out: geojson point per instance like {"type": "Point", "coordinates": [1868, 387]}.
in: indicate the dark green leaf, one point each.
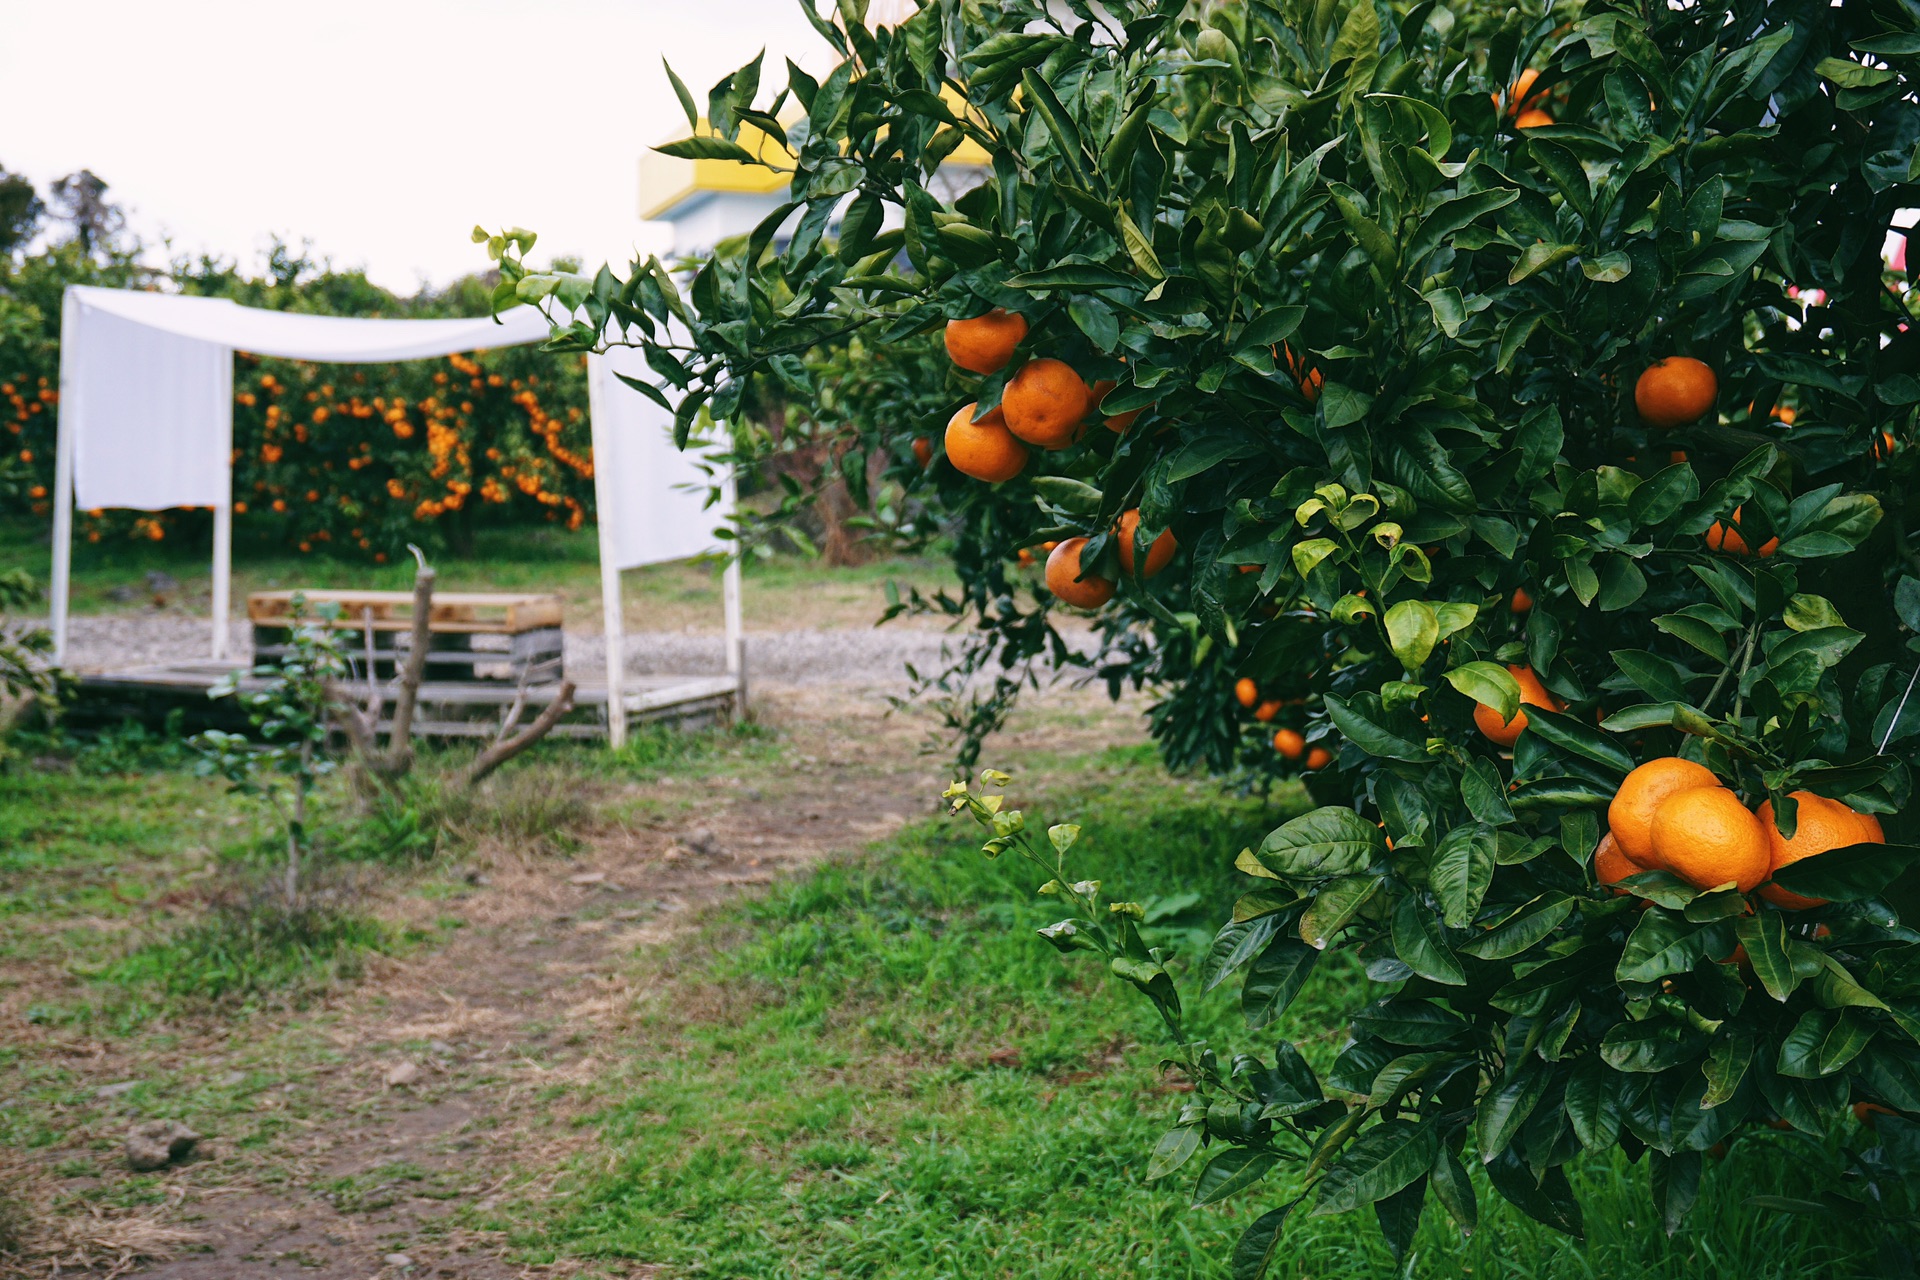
{"type": "Point", "coordinates": [1231, 1172]}
{"type": "Point", "coordinates": [1329, 841]}
{"type": "Point", "coordinates": [1384, 1159]}
{"type": "Point", "coordinates": [1275, 979]}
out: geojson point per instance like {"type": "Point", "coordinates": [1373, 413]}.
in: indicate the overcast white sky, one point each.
{"type": "Point", "coordinates": [382, 130]}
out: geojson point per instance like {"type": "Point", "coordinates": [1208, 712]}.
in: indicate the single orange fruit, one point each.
{"type": "Point", "coordinates": [1118, 422]}
{"type": "Point", "coordinates": [1885, 446]}
{"type": "Point", "coordinates": [1726, 539]}
{"type": "Point", "coordinates": [1047, 403]}
{"type": "Point", "coordinates": [1532, 694]}
{"type": "Point", "coordinates": [1522, 602]}
{"type": "Point", "coordinates": [1305, 376]}
{"type": "Point", "coordinates": [1520, 96]}
{"type": "Point", "coordinates": [1784, 413]}
{"type": "Point", "coordinates": [1025, 557]}
{"type": "Point", "coordinates": [1707, 837]}
{"type": "Point", "coordinates": [1319, 758]}
{"type": "Point", "coordinates": [1157, 555]}
{"type": "Point", "coordinates": [985, 343]}
{"type": "Point", "coordinates": [985, 449]}
{"type": "Point", "coordinates": [1064, 580]}
{"type": "Point", "coordinates": [1821, 824]}
{"type": "Point", "coordinates": [1532, 118]}
{"type": "Point", "coordinates": [923, 451]}
{"type": "Point", "coordinates": [1630, 816]}
{"type": "Point", "coordinates": [1266, 711]}
{"type": "Point", "coordinates": [1246, 691]}
{"type": "Point", "coordinates": [1611, 864]}
{"type": "Point", "coordinates": [1865, 1112]}
{"type": "Point", "coordinates": [1677, 456]}
{"type": "Point", "coordinates": [1289, 743]}
{"type": "Point", "coordinates": [1675, 391]}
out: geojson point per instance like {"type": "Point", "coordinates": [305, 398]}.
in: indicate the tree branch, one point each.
{"type": "Point", "coordinates": [501, 752]}
{"type": "Point", "coordinates": [400, 740]}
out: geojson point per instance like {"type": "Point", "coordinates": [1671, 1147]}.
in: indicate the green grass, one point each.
{"type": "Point", "coordinates": [877, 1070]}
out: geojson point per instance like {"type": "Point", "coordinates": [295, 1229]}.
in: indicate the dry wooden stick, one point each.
{"type": "Point", "coordinates": [400, 738]}
{"type": "Point", "coordinates": [501, 752]}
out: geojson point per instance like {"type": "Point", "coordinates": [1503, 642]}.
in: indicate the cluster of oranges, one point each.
{"type": "Point", "coordinates": [27, 402]}
{"type": "Point", "coordinates": [1046, 404]}
{"type": "Point", "coordinates": [1675, 815]}
{"type": "Point", "coordinates": [1289, 742]}
{"type": "Point", "coordinates": [307, 433]}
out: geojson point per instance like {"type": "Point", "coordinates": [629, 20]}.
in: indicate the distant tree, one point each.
{"type": "Point", "coordinates": [80, 201]}
{"type": "Point", "coordinates": [20, 210]}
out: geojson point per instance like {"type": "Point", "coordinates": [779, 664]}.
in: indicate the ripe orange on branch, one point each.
{"type": "Point", "coordinates": [1727, 539]}
{"type": "Point", "coordinates": [1521, 96]}
{"type": "Point", "coordinates": [1611, 864]}
{"type": "Point", "coordinates": [984, 449]}
{"type": "Point", "coordinates": [1245, 691]}
{"type": "Point", "coordinates": [1118, 422]}
{"type": "Point", "coordinates": [1707, 837]}
{"type": "Point", "coordinates": [1047, 403]}
{"type": "Point", "coordinates": [1820, 825]}
{"type": "Point", "coordinates": [1630, 815]}
{"type": "Point", "coordinates": [984, 344]}
{"type": "Point", "coordinates": [1532, 694]}
{"type": "Point", "coordinates": [1064, 580]}
{"type": "Point", "coordinates": [1675, 391]}
{"type": "Point", "coordinates": [1289, 743]}
{"type": "Point", "coordinates": [1158, 554]}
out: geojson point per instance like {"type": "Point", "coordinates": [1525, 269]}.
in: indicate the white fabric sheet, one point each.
{"type": "Point", "coordinates": [652, 498]}
{"type": "Point", "coordinates": [147, 382]}
{"type": "Point", "coordinates": [150, 412]}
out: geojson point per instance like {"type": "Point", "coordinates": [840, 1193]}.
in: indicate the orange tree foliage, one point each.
{"type": "Point", "coordinates": [355, 460]}
{"type": "Point", "coordinates": [1386, 318]}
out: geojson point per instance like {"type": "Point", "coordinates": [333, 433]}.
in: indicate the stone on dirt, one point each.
{"type": "Point", "coordinates": [402, 1073]}
{"type": "Point", "coordinates": [155, 1144]}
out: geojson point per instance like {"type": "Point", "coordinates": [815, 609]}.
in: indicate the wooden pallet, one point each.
{"type": "Point", "coordinates": [473, 612]}
{"type": "Point", "coordinates": [480, 636]}
{"type": "Point", "coordinates": [447, 709]}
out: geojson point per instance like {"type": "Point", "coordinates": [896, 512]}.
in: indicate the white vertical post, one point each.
{"type": "Point", "coordinates": [223, 519]}
{"type": "Point", "coordinates": [67, 423]}
{"type": "Point", "coordinates": [730, 601]}
{"type": "Point", "coordinates": [613, 623]}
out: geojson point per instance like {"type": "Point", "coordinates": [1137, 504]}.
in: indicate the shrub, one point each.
{"type": "Point", "coordinates": [1490, 365]}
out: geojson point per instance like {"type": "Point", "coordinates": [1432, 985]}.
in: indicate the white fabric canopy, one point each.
{"type": "Point", "coordinates": [147, 381]}
{"type": "Point", "coordinates": [146, 421]}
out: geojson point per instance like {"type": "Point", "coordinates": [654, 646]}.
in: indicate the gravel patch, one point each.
{"type": "Point", "coordinates": [874, 656]}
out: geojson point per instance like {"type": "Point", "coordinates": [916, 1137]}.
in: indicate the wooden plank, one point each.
{"type": "Point", "coordinates": [459, 611]}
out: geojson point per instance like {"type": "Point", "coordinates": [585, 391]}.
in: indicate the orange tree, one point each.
{"type": "Point", "coordinates": [356, 460]}
{"type": "Point", "coordinates": [1527, 394]}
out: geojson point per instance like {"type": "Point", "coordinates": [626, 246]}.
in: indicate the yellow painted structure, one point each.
{"type": "Point", "coordinates": [668, 183]}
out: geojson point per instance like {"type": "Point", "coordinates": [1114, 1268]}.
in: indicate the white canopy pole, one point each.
{"type": "Point", "coordinates": [223, 522]}
{"type": "Point", "coordinates": [730, 601]}
{"type": "Point", "coordinates": [63, 474]}
{"type": "Point", "coordinates": [613, 617]}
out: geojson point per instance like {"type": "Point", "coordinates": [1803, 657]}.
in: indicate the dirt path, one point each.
{"type": "Point", "coordinates": [445, 1080]}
